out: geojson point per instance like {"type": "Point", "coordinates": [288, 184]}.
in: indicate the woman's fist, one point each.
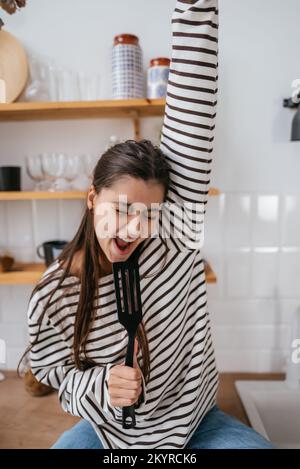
{"type": "Point", "coordinates": [125, 383]}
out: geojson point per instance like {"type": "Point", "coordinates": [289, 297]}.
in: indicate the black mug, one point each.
{"type": "Point", "coordinates": [51, 250]}
{"type": "Point", "coordinates": [10, 178]}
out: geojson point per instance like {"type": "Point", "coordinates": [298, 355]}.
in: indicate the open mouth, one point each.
{"type": "Point", "coordinates": [123, 247]}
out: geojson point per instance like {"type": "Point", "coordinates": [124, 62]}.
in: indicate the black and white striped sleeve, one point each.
{"type": "Point", "coordinates": [189, 121]}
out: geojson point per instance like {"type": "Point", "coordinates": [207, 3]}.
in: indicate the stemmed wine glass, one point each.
{"type": "Point", "coordinates": [89, 163]}
{"type": "Point", "coordinates": [53, 168]}
{"type": "Point", "coordinates": [34, 171]}
{"type": "Point", "coordinates": [72, 168]}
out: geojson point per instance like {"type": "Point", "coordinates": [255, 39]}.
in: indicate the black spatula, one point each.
{"type": "Point", "coordinates": [129, 305]}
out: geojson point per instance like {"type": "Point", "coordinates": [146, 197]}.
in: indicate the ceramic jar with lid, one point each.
{"type": "Point", "coordinates": [127, 68]}
{"type": "Point", "coordinates": [157, 78]}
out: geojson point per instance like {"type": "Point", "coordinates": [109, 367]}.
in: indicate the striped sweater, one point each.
{"type": "Point", "coordinates": [183, 376]}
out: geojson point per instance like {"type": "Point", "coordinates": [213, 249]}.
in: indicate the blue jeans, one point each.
{"type": "Point", "coordinates": [216, 431]}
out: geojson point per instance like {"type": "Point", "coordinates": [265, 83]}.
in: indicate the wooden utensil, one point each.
{"type": "Point", "coordinates": [13, 66]}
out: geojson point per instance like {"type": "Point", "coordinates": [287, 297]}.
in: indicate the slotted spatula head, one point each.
{"type": "Point", "coordinates": [128, 294]}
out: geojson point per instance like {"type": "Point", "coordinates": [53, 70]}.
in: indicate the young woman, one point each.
{"type": "Point", "coordinates": [77, 343]}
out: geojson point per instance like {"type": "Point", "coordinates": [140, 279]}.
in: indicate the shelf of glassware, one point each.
{"type": "Point", "coordinates": [128, 108]}
{"type": "Point", "coordinates": [29, 274]}
{"type": "Point", "coordinates": [69, 195]}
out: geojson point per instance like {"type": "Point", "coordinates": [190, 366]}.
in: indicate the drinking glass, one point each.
{"type": "Point", "coordinates": [89, 163]}
{"type": "Point", "coordinates": [89, 86]}
{"type": "Point", "coordinates": [37, 89]}
{"type": "Point", "coordinates": [72, 168]}
{"type": "Point", "coordinates": [34, 171]}
{"type": "Point", "coordinates": [68, 86]}
{"type": "Point", "coordinates": [53, 168]}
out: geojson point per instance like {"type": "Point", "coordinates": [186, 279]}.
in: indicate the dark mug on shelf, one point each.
{"type": "Point", "coordinates": [51, 250]}
{"type": "Point", "coordinates": [10, 178]}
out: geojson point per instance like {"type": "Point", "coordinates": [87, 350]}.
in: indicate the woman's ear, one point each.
{"type": "Point", "coordinates": [91, 197]}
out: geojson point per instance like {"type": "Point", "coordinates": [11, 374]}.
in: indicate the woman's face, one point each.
{"type": "Point", "coordinates": [125, 214]}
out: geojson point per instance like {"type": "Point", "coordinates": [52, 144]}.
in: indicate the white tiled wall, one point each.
{"type": "Point", "coordinates": [257, 261]}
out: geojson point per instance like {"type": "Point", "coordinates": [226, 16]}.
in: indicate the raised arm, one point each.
{"type": "Point", "coordinates": [189, 121]}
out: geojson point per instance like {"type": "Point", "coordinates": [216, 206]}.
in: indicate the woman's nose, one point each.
{"type": "Point", "coordinates": [131, 230]}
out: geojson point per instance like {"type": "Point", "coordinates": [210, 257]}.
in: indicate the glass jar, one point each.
{"type": "Point", "coordinates": [157, 78]}
{"type": "Point", "coordinates": [127, 68]}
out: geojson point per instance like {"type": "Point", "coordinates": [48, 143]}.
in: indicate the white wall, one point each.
{"type": "Point", "coordinates": [252, 230]}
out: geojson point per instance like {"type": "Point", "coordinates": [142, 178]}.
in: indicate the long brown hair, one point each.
{"type": "Point", "coordinates": [141, 160]}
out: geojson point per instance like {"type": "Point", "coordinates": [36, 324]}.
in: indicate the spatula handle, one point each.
{"type": "Point", "coordinates": [130, 350]}
{"type": "Point", "coordinates": [128, 412]}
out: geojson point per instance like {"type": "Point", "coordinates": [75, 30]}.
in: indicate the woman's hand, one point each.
{"type": "Point", "coordinates": [125, 383]}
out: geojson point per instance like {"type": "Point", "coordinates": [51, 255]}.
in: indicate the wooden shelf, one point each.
{"type": "Point", "coordinates": [29, 274]}
{"type": "Point", "coordinates": [133, 108]}
{"type": "Point", "coordinates": [209, 273]}
{"type": "Point", "coordinates": [39, 195]}
{"type": "Point", "coordinates": [22, 274]}
{"type": "Point", "coordinates": [69, 195]}
{"type": "Point", "coordinates": [213, 192]}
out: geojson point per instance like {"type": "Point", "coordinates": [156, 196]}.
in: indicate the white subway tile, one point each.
{"type": "Point", "coordinates": [237, 220]}
{"type": "Point", "coordinates": [250, 361]}
{"type": "Point", "coordinates": [265, 275]}
{"type": "Point", "coordinates": [19, 224]}
{"type": "Point", "coordinates": [222, 336]}
{"type": "Point", "coordinates": [70, 215]}
{"type": "Point", "coordinates": [289, 274]}
{"type": "Point", "coordinates": [251, 337]}
{"type": "Point", "coordinates": [213, 228]}
{"type": "Point", "coordinates": [250, 312]}
{"type": "Point", "coordinates": [265, 229]}
{"type": "Point", "coordinates": [14, 355]}
{"type": "Point", "coordinates": [291, 221]}
{"type": "Point", "coordinates": [13, 303]}
{"type": "Point", "coordinates": [236, 360]}
{"type": "Point", "coordinates": [46, 220]}
{"type": "Point", "coordinates": [271, 361]}
{"type": "Point", "coordinates": [237, 274]}
{"type": "Point", "coordinates": [287, 309]}
{"type": "Point", "coordinates": [13, 334]}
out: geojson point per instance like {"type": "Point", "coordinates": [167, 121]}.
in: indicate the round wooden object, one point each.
{"type": "Point", "coordinates": [13, 66]}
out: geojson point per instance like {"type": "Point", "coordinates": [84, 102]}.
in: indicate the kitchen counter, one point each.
{"type": "Point", "coordinates": [228, 399]}
{"type": "Point", "coordinates": [36, 422]}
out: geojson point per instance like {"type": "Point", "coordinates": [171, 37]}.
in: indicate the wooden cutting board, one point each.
{"type": "Point", "coordinates": [13, 67]}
